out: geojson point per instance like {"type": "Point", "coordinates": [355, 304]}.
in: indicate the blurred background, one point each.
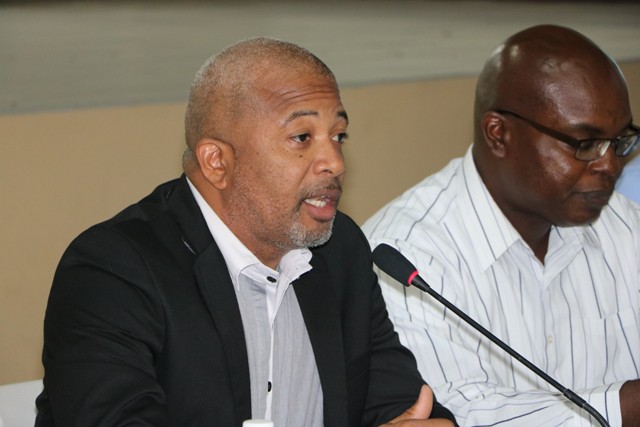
{"type": "Point", "coordinates": [92, 97]}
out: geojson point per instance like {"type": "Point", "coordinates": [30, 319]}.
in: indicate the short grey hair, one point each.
{"type": "Point", "coordinates": [222, 88]}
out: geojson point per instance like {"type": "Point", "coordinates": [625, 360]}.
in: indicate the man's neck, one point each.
{"type": "Point", "coordinates": [535, 233]}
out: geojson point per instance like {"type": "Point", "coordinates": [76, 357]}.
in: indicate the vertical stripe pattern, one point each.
{"type": "Point", "coordinates": [577, 316]}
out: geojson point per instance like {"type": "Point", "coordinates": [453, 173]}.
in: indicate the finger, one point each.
{"type": "Point", "coordinates": [421, 409]}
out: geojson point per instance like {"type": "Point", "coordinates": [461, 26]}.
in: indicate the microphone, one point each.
{"type": "Point", "coordinates": [392, 262]}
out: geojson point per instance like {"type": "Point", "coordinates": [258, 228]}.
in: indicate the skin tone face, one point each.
{"type": "Point", "coordinates": [547, 181]}
{"type": "Point", "coordinates": [569, 86]}
{"type": "Point", "coordinates": [283, 165]}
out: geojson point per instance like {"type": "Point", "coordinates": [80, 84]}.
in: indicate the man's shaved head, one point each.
{"type": "Point", "coordinates": [224, 90]}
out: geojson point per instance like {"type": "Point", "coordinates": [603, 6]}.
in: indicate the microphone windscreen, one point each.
{"type": "Point", "coordinates": [392, 262]}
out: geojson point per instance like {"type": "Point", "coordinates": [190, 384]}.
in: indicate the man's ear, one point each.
{"type": "Point", "coordinates": [215, 159]}
{"type": "Point", "coordinates": [495, 133]}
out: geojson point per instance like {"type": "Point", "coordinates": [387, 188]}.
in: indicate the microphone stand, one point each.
{"type": "Point", "coordinates": [419, 283]}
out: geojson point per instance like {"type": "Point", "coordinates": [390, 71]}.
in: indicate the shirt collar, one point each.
{"type": "Point", "coordinates": [484, 220]}
{"type": "Point", "coordinates": [239, 259]}
{"type": "Point", "coordinates": [494, 232]}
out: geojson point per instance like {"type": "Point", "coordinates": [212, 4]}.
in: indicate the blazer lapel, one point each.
{"type": "Point", "coordinates": [215, 285]}
{"type": "Point", "coordinates": [322, 320]}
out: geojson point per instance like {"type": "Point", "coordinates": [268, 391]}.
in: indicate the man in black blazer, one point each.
{"type": "Point", "coordinates": [156, 317]}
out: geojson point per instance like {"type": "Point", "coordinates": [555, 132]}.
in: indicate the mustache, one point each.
{"type": "Point", "coordinates": [330, 188]}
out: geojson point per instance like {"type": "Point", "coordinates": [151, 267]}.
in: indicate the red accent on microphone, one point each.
{"type": "Point", "coordinates": [413, 275]}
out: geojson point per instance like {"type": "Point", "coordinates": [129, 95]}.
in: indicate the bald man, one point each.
{"type": "Point", "coordinates": [527, 236]}
{"type": "Point", "coordinates": [236, 291]}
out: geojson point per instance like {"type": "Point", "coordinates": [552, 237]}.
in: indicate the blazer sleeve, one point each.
{"type": "Point", "coordinates": [103, 326]}
{"type": "Point", "coordinates": [394, 380]}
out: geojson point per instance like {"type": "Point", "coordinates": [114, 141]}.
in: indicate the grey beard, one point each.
{"type": "Point", "coordinates": [302, 238]}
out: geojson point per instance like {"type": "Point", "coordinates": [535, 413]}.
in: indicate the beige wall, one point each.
{"type": "Point", "coordinates": [61, 172]}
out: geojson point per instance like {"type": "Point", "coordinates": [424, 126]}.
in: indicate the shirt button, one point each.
{"type": "Point", "coordinates": [549, 339]}
{"type": "Point", "coordinates": [271, 279]}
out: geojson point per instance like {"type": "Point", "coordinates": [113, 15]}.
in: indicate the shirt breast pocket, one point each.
{"type": "Point", "coordinates": [613, 345]}
{"type": "Point", "coordinates": [625, 320]}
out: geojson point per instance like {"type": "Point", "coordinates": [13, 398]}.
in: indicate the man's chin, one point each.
{"type": "Point", "coordinates": [306, 238]}
{"type": "Point", "coordinates": [586, 218]}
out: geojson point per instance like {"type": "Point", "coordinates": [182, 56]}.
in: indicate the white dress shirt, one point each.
{"type": "Point", "coordinates": [285, 385]}
{"type": "Point", "coordinates": [577, 316]}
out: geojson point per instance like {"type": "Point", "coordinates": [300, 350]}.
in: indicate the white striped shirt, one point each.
{"type": "Point", "coordinates": [577, 316]}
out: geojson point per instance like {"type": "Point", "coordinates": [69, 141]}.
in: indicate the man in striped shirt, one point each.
{"type": "Point", "coordinates": [527, 236]}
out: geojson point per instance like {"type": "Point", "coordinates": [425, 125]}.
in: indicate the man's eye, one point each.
{"type": "Point", "coordinates": [304, 137]}
{"type": "Point", "coordinates": [341, 137]}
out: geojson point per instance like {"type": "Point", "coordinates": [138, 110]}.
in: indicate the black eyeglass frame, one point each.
{"type": "Point", "coordinates": [585, 146]}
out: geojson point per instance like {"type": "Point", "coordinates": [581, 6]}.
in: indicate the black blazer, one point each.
{"type": "Point", "coordinates": [143, 327]}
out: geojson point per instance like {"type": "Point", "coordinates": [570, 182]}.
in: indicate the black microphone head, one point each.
{"type": "Point", "coordinates": [392, 262]}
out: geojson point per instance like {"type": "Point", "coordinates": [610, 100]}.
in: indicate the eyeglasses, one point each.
{"type": "Point", "coordinates": [591, 148]}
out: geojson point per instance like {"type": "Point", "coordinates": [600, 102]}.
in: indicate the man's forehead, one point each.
{"type": "Point", "coordinates": [340, 114]}
{"type": "Point", "coordinates": [305, 94]}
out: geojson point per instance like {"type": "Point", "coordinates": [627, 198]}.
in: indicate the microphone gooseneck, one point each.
{"type": "Point", "coordinates": [392, 262]}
